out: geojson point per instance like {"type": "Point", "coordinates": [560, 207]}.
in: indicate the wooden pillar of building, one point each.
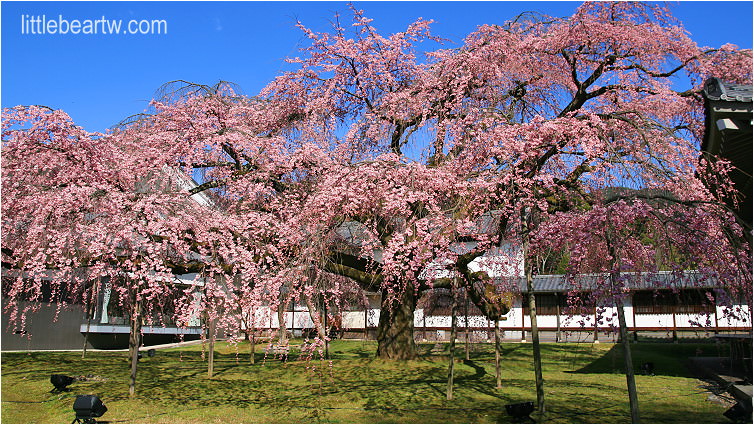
{"type": "Point", "coordinates": [557, 317]}
{"type": "Point", "coordinates": [675, 331]}
{"type": "Point", "coordinates": [523, 321]}
{"type": "Point", "coordinates": [633, 313]}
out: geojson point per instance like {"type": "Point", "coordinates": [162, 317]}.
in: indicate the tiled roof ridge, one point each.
{"type": "Point", "coordinates": [717, 89]}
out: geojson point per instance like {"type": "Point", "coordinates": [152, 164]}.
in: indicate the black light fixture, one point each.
{"type": "Point", "coordinates": [88, 407]}
{"type": "Point", "coordinates": [151, 352]}
{"type": "Point", "coordinates": [60, 382]}
{"type": "Point", "coordinates": [740, 413]}
{"type": "Point", "coordinates": [520, 411]}
{"type": "Point", "coordinates": [648, 368]}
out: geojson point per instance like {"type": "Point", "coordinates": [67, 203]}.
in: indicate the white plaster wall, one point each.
{"type": "Point", "coordinates": [654, 320]}
{"type": "Point", "coordinates": [741, 310]}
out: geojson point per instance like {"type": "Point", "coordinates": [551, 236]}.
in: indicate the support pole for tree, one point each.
{"type": "Point", "coordinates": [539, 381]}
{"type": "Point", "coordinates": [89, 314]}
{"type": "Point", "coordinates": [633, 397]}
{"type": "Point", "coordinates": [498, 374]}
{"type": "Point", "coordinates": [282, 334]}
{"type": "Point", "coordinates": [557, 317]}
{"type": "Point", "coordinates": [466, 323]}
{"type": "Point", "coordinates": [327, 330]}
{"type": "Point", "coordinates": [211, 366]}
{"type": "Point", "coordinates": [252, 339]}
{"type": "Point", "coordinates": [451, 364]}
{"type": "Point", "coordinates": [86, 335]}
{"type": "Point", "coordinates": [134, 341]}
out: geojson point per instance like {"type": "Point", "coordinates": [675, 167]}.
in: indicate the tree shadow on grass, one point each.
{"type": "Point", "coordinates": [666, 359]}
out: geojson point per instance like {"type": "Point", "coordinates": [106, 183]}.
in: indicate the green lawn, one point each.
{"type": "Point", "coordinates": [583, 384]}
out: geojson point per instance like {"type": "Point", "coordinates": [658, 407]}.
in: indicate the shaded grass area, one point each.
{"type": "Point", "coordinates": [583, 384]}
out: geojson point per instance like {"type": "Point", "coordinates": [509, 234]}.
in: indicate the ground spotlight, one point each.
{"type": "Point", "coordinates": [88, 407]}
{"type": "Point", "coordinates": [648, 368]}
{"type": "Point", "coordinates": [740, 413]}
{"type": "Point", "coordinates": [60, 382]}
{"type": "Point", "coordinates": [520, 411]}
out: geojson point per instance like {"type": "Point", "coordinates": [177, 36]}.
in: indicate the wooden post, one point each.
{"type": "Point", "coordinates": [498, 374]}
{"type": "Point", "coordinates": [633, 313]}
{"type": "Point", "coordinates": [366, 320]}
{"type": "Point", "coordinates": [523, 320]}
{"type": "Point", "coordinates": [675, 333]}
{"type": "Point", "coordinates": [327, 331]}
{"type": "Point", "coordinates": [211, 366]}
{"type": "Point", "coordinates": [134, 340]}
{"type": "Point", "coordinates": [557, 318]}
{"type": "Point", "coordinates": [293, 317]}
{"type": "Point", "coordinates": [282, 328]}
{"type": "Point", "coordinates": [252, 339]}
{"type": "Point", "coordinates": [424, 323]}
{"type": "Point", "coordinates": [89, 314]}
{"type": "Point", "coordinates": [466, 323]}
{"type": "Point", "coordinates": [451, 363]}
{"type": "Point", "coordinates": [539, 381]}
{"type": "Point", "coordinates": [633, 398]}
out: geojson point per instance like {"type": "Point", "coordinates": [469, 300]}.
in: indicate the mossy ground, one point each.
{"type": "Point", "coordinates": [584, 383]}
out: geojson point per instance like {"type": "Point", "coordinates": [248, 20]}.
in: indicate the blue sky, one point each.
{"type": "Point", "coordinates": [100, 79]}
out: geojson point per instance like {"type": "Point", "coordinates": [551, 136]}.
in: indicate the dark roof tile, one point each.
{"type": "Point", "coordinates": [716, 89]}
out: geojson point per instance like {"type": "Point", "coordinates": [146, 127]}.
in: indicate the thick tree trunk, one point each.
{"type": "Point", "coordinates": [134, 342]}
{"type": "Point", "coordinates": [452, 349]}
{"type": "Point", "coordinates": [395, 331]}
{"type": "Point", "coordinates": [498, 374]}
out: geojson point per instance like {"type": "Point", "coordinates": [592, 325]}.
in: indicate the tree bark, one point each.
{"type": "Point", "coordinates": [316, 318]}
{"type": "Point", "coordinates": [452, 349]}
{"type": "Point", "coordinates": [134, 342]}
{"type": "Point", "coordinates": [498, 374]}
{"type": "Point", "coordinates": [395, 331]}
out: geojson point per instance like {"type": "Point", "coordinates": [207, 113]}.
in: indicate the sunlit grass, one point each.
{"type": "Point", "coordinates": [584, 384]}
